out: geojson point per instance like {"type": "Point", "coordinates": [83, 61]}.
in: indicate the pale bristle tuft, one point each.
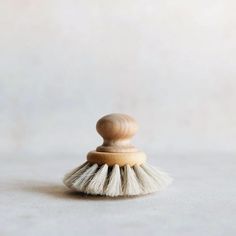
{"type": "Point", "coordinates": [71, 177]}
{"type": "Point", "coordinates": [161, 178]}
{"type": "Point", "coordinates": [147, 182]}
{"type": "Point", "coordinates": [82, 180]}
{"type": "Point", "coordinates": [97, 183]}
{"type": "Point", "coordinates": [114, 188]}
{"type": "Point", "coordinates": [131, 184]}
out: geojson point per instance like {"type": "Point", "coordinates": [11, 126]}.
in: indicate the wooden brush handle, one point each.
{"type": "Point", "coordinates": [116, 131]}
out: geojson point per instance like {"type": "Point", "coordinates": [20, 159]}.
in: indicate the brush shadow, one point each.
{"type": "Point", "coordinates": [60, 191]}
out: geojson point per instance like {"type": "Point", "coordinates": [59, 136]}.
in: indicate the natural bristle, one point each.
{"type": "Point", "coordinates": [114, 187]}
{"type": "Point", "coordinates": [116, 181]}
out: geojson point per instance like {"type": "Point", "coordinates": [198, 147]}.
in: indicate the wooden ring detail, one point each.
{"type": "Point", "coordinates": [112, 158]}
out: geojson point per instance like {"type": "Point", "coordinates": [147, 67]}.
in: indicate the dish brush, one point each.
{"type": "Point", "coordinates": [116, 168]}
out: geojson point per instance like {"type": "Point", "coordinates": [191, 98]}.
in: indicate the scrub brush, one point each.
{"type": "Point", "coordinates": [116, 168]}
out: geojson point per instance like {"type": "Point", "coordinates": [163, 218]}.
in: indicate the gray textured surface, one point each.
{"type": "Point", "coordinates": [201, 200]}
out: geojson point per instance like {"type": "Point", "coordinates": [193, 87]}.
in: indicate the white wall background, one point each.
{"type": "Point", "coordinates": [170, 64]}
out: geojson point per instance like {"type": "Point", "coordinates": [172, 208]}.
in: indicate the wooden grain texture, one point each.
{"type": "Point", "coordinates": [121, 159]}
{"type": "Point", "coordinates": [116, 130]}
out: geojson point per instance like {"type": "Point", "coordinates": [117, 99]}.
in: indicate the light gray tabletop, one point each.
{"type": "Point", "coordinates": [201, 200]}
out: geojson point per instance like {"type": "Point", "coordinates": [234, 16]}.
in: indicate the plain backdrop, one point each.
{"type": "Point", "coordinates": [170, 64]}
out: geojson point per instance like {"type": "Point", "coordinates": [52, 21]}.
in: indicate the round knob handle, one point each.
{"type": "Point", "coordinates": [116, 130]}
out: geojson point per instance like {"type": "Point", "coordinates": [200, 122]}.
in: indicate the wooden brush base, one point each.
{"type": "Point", "coordinates": [112, 158]}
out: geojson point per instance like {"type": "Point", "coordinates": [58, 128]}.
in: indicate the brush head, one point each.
{"type": "Point", "coordinates": [116, 168]}
{"type": "Point", "coordinates": [114, 181]}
